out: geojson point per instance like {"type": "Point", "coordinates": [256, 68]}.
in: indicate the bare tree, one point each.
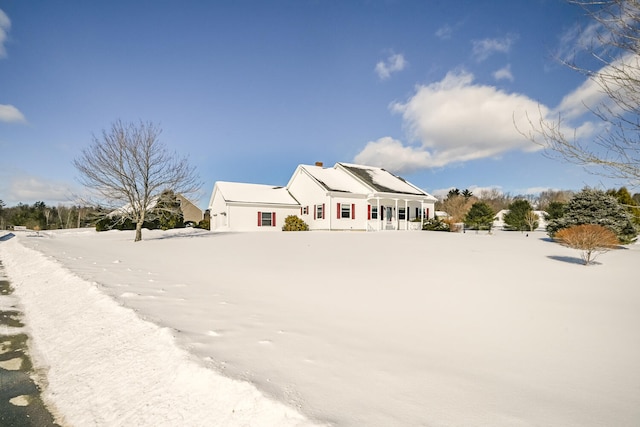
{"type": "Point", "coordinates": [550, 196]}
{"type": "Point", "coordinates": [456, 206]}
{"type": "Point", "coordinates": [495, 198]}
{"type": "Point", "coordinates": [129, 167]}
{"type": "Point", "coordinates": [615, 46]}
{"type": "Point", "coordinates": [531, 220]}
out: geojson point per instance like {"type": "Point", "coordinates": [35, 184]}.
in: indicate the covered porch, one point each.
{"type": "Point", "coordinates": [394, 213]}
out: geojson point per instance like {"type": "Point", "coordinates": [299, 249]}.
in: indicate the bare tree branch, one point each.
{"type": "Point", "coordinates": [615, 45]}
{"type": "Point", "coordinates": [129, 166]}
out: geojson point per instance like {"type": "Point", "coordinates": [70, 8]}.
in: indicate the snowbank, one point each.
{"type": "Point", "coordinates": [350, 329]}
{"type": "Point", "coordinates": [105, 366]}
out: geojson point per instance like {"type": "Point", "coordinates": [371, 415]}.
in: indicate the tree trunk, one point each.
{"type": "Point", "coordinates": [138, 231]}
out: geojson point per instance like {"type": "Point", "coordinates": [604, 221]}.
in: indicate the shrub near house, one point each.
{"type": "Point", "coordinates": [293, 223]}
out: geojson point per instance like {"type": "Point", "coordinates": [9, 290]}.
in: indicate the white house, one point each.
{"type": "Point", "coordinates": [344, 197]}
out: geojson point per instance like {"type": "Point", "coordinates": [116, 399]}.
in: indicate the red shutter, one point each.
{"type": "Point", "coordinates": [323, 211]}
{"type": "Point", "coordinates": [353, 211]}
{"type": "Point", "coordinates": [368, 212]}
{"type": "Point", "coordinates": [300, 210]}
{"type": "Point", "coordinates": [259, 219]}
{"type": "Point", "coordinates": [427, 215]}
{"type": "Point", "coordinates": [315, 211]}
{"type": "Point", "coordinates": [338, 211]}
{"type": "Point", "coordinates": [273, 219]}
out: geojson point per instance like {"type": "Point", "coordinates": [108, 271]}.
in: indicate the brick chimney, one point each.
{"type": "Point", "coordinates": [320, 164]}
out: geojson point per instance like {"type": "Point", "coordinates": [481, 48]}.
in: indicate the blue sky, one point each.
{"type": "Point", "coordinates": [250, 89]}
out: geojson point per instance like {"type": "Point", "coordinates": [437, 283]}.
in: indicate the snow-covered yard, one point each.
{"type": "Point", "coordinates": [348, 329]}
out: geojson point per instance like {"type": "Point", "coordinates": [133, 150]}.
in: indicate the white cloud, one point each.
{"type": "Point", "coordinates": [456, 120]}
{"type": "Point", "coordinates": [578, 39]}
{"type": "Point", "coordinates": [394, 63]}
{"type": "Point", "coordinates": [504, 73]}
{"type": "Point", "coordinates": [5, 26]}
{"type": "Point", "coordinates": [589, 95]}
{"type": "Point", "coordinates": [28, 189]}
{"type": "Point", "coordinates": [536, 190]}
{"type": "Point", "coordinates": [476, 190]}
{"type": "Point", "coordinates": [482, 49]}
{"type": "Point", "coordinates": [9, 113]}
{"type": "Point", "coordinates": [393, 155]}
{"type": "Point", "coordinates": [445, 32]}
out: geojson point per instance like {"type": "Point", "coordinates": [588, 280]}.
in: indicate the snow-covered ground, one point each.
{"type": "Point", "coordinates": [348, 329]}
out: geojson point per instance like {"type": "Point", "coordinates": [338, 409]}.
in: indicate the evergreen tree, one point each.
{"type": "Point", "coordinates": [520, 216]}
{"type": "Point", "coordinates": [453, 192]}
{"type": "Point", "coordinates": [167, 213]}
{"type": "Point", "coordinates": [480, 216]}
{"type": "Point", "coordinates": [625, 199]}
{"type": "Point", "coordinates": [592, 206]}
{"type": "Point", "coordinates": [555, 210]}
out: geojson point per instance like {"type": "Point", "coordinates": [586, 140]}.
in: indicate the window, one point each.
{"type": "Point", "coordinates": [401, 213]}
{"type": "Point", "coordinates": [374, 212]}
{"type": "Point", "coordinates": [266, 219]}
{"type": "Point", "coordinates": [304, 210]}
{"type": "Point", "coordinates": [345, 210]}
{"type": "Point", "coordinates": [319, 212]}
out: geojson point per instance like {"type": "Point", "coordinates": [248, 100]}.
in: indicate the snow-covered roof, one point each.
{"type": "Point", "coordinates": [255, 193]}
{"type": "Point", "coordinates": [333, 179]}
{"type": "Point", "coordinates": [381, 180]}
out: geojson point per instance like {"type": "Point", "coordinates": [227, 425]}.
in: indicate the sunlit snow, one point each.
{"type": "Point", "coordinates": [194, 328]}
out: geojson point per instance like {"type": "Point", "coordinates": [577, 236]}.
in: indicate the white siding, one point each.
{"type": "Point", "coordinates": [245, 217]}
{"type": "Point", "coordinates": [309, 193]}
{"type": "Point", "coordinates": [234, 216]}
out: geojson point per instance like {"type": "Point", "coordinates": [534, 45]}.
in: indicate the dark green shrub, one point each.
{"type": "Point", "coordinates": [114, 222]}
{"type": "Point", "coordinates": [555, 210]}
{"type": "Point", "coordinates": [204, 224]}
{"type": "Point", "coordinates": [435, 224]}
{"type": "Point", "coordinates": [479, 217]}
{"type": "Point", "coordinates": [520, 217]}
{"type": "Point", "coordinates": [167, 213]}
{"type": "Point", "coordinates": [293, 223]}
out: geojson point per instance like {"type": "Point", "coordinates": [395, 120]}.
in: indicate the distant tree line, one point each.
{"type": "Point", "coordinates": [165, 213]}
{"type": "Point", "coordinates": [562, 209]}
{"type": "Point", "coordinates": [41, 216]}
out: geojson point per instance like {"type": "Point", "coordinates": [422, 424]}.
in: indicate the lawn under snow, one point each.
{"type": "Point", "coordinates": [191, 328]}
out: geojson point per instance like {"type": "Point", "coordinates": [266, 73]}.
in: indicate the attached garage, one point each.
{"type": "Point", "coordinates": [236, 206]}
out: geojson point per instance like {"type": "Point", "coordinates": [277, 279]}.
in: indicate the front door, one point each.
{"type": "Point", "coordinates": [389, 216]}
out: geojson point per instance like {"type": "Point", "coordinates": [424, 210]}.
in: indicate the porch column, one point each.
{"type": "Point", "coordinates": [406, 215]}
{"type": "Point", "coordinates": [378, 219]}
{"type": "Point", "coordinates": [397, 220]}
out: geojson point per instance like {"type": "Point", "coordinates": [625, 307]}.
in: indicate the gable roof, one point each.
{"type": "Point", "coordinates": [381, 181]}
{"type": "Point", "coordinates": [359, 179]}
{"type": "Point", "coordinates": [240, 192]}
{"type": "Point", "coordinates": [332, 179]}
